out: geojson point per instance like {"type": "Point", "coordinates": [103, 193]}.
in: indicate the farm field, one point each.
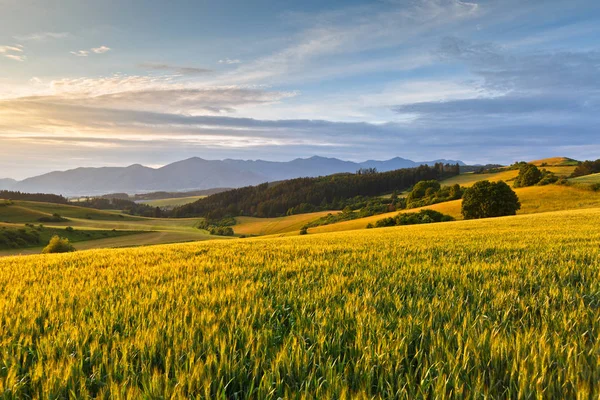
{"type": "Point", "coordinates": [172, 202]}
{"type": "Point", "coordinates": [147, 230]}
{"type": "Point", "coordinates": [271, 226]}
{"type": "Point", "coordinates": [503, 308]}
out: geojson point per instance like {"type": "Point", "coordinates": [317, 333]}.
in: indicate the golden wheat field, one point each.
{"type": "Point", "coordinates": [498, 308]}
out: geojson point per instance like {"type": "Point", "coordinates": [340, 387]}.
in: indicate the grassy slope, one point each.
{"type": "Point", "coordinates": [587, 179]}
{"type": "Point", "coordinates": [497, 308]}
{"type": "Point", "coordinates": [535, 199]}
{"type": "Point", "coordinates": [270, 226]}
{"type": "Point", "coordinates": [163, 230]}
{"type": "Point", "coordinates": [556, 161]}
{"type": "Point", "coordinates": [30, 211]}
{"type": "Point", "coordinates": [470, 178]}
{"type": "Point", "coordinates": [173, 202]}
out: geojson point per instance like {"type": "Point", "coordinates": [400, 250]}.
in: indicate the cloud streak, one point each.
{"type": "Point", "coordinates": [95, 50]}
{"type": "Point", "coordinates": [176, 69]}
{"type": "Point", "coordinates": [42, 36]}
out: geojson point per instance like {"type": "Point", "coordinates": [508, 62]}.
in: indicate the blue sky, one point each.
{"type": "Point", "coordinates": [105, 83]}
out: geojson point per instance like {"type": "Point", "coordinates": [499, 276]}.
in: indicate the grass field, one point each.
{"type": "Point", "coordinates": [587, 179]}
{"type": "Point", "coordinates": [556, 161]}
{"type": "Point", "coordinates": [271, 226]}
{"type": "Point", "coordinates": [534, 199]}
{"type": "Point", "coordinates": [498, 308]}
{"type": "Point", "coordinates": [170, 203]}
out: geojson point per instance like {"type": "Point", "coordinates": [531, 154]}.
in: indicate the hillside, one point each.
{"type": "Point", "coordinates": [90, 226]}
{"type": "Point", "coordinates": [592, 179]}
{"type": "Point", "coordinates": [298, 196]}
{"type": "Point", "coordinates": [195, 173]}
{"type": "Point", "coordinates": [478, 300]}
{"type": "Point", "coordinates": [555, 161]}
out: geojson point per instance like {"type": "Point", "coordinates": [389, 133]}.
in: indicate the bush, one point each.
{"type": "Point", "coordinates": [69, 229]}
{"type": "Point", "coordinates": [221, 230]}
{"type": "Point", "coordinates": [11, 238]}
{"type": "Point", "coordinates": [58, 245]}
{"type": "Point", "coordinates": [304, 231]}
{"type": "Point", "coordinates": [489, 199]}
{"type": "Point", "coordinates": [422, 217]}
{"type": "Point", "coordinates": [53, 218]}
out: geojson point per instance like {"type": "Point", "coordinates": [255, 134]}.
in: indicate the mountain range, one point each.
{"type": "Point", "coordinates": [194, 174]}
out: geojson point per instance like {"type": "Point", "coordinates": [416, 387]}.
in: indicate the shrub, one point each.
{"type": "Point", "coordinates": [422, 217]}
{"type": "Point", "coordinates": [304, 231]}
{"type": "Point", "coordinates": [489, 199]}
{"type": "Point", "coordinates": [58, 245]}
{"type": "Point", "coordinates": [221, 230]}
{"type": "Point", "coordinates": [69, 229]}
{"type": "Point", "coordinates": [54, 218]}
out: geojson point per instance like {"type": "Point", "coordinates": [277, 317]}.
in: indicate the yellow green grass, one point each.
{"type": "Point", "coordinates": [555, 161]}
{"type": "Point", "coordinates": [499, 308]}
{"type": "Point", "coordinates": [172, 202]}
{"type": "Point", "coordinates": [468, 179]}
{"type": "Point", "coordinates": [154, 230]}
{"type": "Point", "coordinates": [534, 199]}
{"type": "Point", "coordinates": [587, 179]}
{"type": "Point", "coordinates": [271, 226]}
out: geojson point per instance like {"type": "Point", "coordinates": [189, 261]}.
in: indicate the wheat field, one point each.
{"type": "Point", "coordinates": [506, 307]}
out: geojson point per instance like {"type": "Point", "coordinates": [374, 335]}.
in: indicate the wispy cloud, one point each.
{"type": "Point", "coordinates": [354, 31]}
{"type": "Point", "coordinates": [80, 53]}
{"type": "Point", "coordinates": [9, 49]}
{"type": "Point", "coordinates": [42, 36]}
{"type": "Point", "coordinates": [15, 57]}
{"type": "Point", "coordinates": [229, 61]}
{"type": "Point", "coordinates": [8, 52]}
{"type": "Point", "coordinates": [154, 93]}
{"type": "Point", "coordinates": [96, 50]}
{"type": "Point", "coordinates": [176, 69]}
{"type": "Point", "coordinates": [101, 49]}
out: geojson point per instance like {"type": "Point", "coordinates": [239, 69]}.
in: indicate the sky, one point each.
{"type": "Point", "coordinates": [114, 83]}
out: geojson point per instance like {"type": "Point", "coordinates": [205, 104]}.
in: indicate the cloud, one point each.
{"type": "Point", "coordinates": [15, 57]}
{"type": "Point", "coordinates": [154, 93]}
{"type": "Point", "coordinates": [96, 50]}
{"type": "Point", "coordinates": [42, 36]}
{"type": "Point", "coordinates": [229, 61]}
{"type": "Point", "coordinates": [353, 32]}
{"type": "Point", "coordinates": [101, 49]}
{"type": "Point", "coordinates": [9, 49]}
{"type": "Point", "coordinates": [177, 69]}
{"type": "Point", "coordinates": [517, 90]}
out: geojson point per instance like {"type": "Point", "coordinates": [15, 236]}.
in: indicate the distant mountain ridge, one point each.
{"type": "Point", "coordinates": [195, 174]}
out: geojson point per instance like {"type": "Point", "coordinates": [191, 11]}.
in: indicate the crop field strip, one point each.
{"type": "Point", "coordinates": [150, 231]}
{"type": "Point", "coordinates": [506, 307]}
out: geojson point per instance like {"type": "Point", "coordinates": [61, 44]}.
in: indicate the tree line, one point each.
{"type": "Point", "coordinates": [587, 168]}
{"type": "Point", "coordinates": [310, 194]}
{"type": "Point", "coordinates": [43, 197]}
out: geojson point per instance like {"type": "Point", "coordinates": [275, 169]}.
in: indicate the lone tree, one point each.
{"type": "Point", "coordinates": [487, 199]}
{"type": "Point", "coordinates": [529, 175]}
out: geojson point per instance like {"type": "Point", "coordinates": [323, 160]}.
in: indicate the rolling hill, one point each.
{"type": "Point", "coordinates": [195, 173]}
